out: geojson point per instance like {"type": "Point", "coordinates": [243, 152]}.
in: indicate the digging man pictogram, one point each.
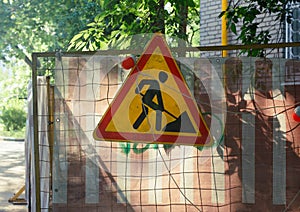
{"type": "Point", "coordinates": [181, 123]}
{"type": "Point", "coordinates": [147, 99]}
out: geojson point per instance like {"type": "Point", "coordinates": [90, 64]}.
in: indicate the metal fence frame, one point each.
{"type": "Point", "coordinates": [35, 63]}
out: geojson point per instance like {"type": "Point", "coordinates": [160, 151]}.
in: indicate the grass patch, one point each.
{"type": "Point", "coordinates": [12, 134]}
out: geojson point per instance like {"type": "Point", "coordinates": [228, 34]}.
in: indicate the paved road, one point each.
{"type": "Point", "coordinates": [12, 174]}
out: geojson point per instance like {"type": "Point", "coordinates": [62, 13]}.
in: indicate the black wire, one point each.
{"type": "Point", "coordinates": [215, 182]}
{"type": "Point", "coordinates": [141, 181]}
{"type": "Point", "coordinates": [155, 181]}
{"type": "Point", "coordinates": [199, 182]}
{"type": "Point", "coordinates": [171, 176]}
{"type": "Point", "coordinates": [292, 129]}
{"type": "Point", "coordinates": [107, 92]}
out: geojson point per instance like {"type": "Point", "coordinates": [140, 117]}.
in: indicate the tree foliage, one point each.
{"type": "Point", "coordinates": [33, 26]}
{"type": "Point", "coordinates": [122, 18]}
{"type": "Point", "coordinates": [14, 81]}
{"type": "Point", "coordinates": [249, 15]}
{"type": "Point", "coordinates": [29, 26]}
{"type": "Point", "coordinates": [13, 118]}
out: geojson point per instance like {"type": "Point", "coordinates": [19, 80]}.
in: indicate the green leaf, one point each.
{"type": "Point", "coordinates": [76, 37]}
{"type": "Point", "coordinates": [85, 36]}
{"type": "Point", "coordinates": [191, 3]}
{"type": "Point", "coordinates": [91, 24]}
{"type": "Point", "coordinates": [233, 28]}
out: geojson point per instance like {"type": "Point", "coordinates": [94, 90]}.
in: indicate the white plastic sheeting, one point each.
{"type": "Point", "coordinates": [30, 192]}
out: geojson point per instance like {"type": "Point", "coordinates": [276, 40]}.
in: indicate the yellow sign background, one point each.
{"type": "Point", "coordinates": [131, 106]}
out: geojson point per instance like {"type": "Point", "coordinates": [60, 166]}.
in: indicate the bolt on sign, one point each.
{"type": "Point", "coordinates": [154, 105]}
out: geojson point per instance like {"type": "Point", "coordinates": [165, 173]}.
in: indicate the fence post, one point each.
{"type": "Point", "coordinates": [50, 95]}
{"type": "Point", "coordinates": [35, 134]}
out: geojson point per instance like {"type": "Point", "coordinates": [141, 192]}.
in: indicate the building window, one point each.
{"type": "Point", "coordinates": [293, 32]}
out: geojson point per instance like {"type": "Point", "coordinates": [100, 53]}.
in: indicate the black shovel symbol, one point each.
{"type": "Point", "coordinates": [182, 123]}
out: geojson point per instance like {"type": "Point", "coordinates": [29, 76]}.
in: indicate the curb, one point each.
{"type": "Point", "coordinates": [12, 139]}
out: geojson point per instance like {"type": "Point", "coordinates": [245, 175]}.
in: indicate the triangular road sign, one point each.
{"type": "Point", "coordinates": [154, 105]}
